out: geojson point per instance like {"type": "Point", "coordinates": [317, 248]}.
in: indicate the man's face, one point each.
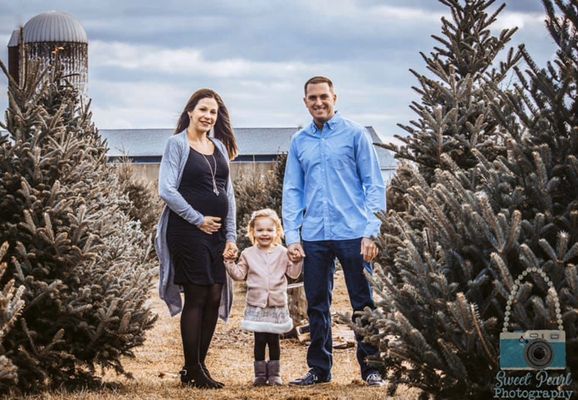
{"type": "Point", "coordinates": [320, 101]}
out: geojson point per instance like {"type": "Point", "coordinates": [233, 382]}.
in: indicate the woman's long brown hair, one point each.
{"type": "Point", "coordinates": [222, 129]}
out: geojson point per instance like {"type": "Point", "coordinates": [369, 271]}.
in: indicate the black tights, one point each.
{"type": "Point", "coordinates": [262, 339]}
{"type": "Point", "coordinates": [198, 321]}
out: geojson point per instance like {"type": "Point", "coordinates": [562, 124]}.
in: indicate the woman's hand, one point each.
{"type": "Point", "coordinates": [211, 225]}
{"type": "Point", "coordinates": [231, 251]}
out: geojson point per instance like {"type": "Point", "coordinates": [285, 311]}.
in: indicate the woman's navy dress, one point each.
{"type": "Point", "coordinates": [198, 256]}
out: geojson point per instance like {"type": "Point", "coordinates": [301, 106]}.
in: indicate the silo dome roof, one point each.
{"type": "Point", "coordinates": [54, 26]}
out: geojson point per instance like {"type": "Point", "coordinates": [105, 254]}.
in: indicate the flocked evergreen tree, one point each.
{"type": "Point", "coordinates": [539, 178]}
{"type": "Point", "coordinates": [445, 280]}
{"type": "Point", "coordinates": [454, 113]}
{"type": "Point", "coordinates": [79, 256]}
{"type": "Point", "coordinates": [11, 304]}
{"type": "Point", "coordinates": [145, 206]}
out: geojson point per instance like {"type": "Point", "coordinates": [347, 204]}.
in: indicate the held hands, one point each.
{"type": "Point", "coordinates": [211, 225]}
{"type": "Point", "coordinates": [231, 251]}
{"type": "Point", "coordinates": [295, 252]}
{"type": "Point", "coordinates": [369, 249]}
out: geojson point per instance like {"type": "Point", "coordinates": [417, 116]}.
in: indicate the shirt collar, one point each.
{"type": "Point", "coordinates": [331, 124]}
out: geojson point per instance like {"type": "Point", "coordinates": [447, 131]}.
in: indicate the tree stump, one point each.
{"type": "Point", "coordinates": [297, 305]}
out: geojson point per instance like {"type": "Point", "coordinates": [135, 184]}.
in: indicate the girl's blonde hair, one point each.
{"type": "Point", "coordinates": [265, 213]}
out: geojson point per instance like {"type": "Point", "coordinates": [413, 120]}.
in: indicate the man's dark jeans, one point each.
{"type": "Point", "coordinates": [318, 271]}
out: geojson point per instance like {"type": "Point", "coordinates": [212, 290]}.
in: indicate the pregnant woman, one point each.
{"type": "Point", "coordinates": [197, 228]}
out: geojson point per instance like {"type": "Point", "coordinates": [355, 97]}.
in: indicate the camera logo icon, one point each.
{"type": "Point", "coordinates": [530, 350]}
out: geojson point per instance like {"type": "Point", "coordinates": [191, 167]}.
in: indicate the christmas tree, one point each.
{"type": "Point", "coordinates": [80, 257]}
{"type": "Point", "coordinates": [471, 226]}
{"type": "Point", "coordinates": [11, 304]}
{"type": "Point", "coordinates": [144, 206]}
{"type": "Point", "coordinates": [454, 112]}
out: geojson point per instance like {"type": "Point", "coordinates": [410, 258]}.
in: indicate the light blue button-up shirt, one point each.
{"type": "Point", "coordinates": [333, 185]}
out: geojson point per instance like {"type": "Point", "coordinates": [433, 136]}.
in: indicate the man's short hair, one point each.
{"type": "Point", "coordinates": [316, 80]}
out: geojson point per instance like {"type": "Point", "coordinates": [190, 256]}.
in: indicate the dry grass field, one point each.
{"type": "Point", "coordinates": [230, 360]}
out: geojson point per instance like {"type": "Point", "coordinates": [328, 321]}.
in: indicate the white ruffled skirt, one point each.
{"type": "Point", "coordinates": [268, 319]}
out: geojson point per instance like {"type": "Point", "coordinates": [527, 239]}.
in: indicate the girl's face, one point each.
{"type": "Point", "coordinates": [265, 232]}
{"type": "Point", "coordinates": [204, 115]}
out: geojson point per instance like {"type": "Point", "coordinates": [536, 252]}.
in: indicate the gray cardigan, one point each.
{"type": "Point", "coordinates": [170, 174]}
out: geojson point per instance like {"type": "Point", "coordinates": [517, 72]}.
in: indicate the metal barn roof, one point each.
{"type": "Point", "coordinates": [51, 26]}
{"type": "Point", "coordinates": [139, 143]}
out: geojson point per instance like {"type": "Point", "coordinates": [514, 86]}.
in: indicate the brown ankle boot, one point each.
{"type": "Point", "coordinates": [260, 373]}
{"type": "Point", "coordinates": [274, 373]}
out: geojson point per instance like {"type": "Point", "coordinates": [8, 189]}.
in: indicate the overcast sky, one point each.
{"type": "Point", "coordinates": [147, 57]}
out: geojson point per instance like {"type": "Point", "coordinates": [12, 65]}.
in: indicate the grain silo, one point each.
{"type": "Point", "coordinates": [49, 35]}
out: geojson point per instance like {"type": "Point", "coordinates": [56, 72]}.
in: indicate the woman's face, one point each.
{"type": "Point", "coordinates": [204, 115]}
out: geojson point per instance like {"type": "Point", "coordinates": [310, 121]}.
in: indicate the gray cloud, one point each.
{"type": "Point", "coordinates": [147, 57]}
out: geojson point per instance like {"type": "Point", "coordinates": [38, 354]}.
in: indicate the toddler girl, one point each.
{"type": "Point", "coordinates": [265, 265]}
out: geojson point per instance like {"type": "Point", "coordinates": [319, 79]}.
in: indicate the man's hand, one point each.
{"type": "Point", "coordinates": [231, 251]}
{"type": "Point", "coordinates": [295, 252]}
{"type": "Point", "coordinates": [211, 225]}
{"type": "Point", "coordinates": [369, 249]}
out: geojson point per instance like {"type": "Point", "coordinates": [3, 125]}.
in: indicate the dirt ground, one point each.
{"type": "Point", "coordinates": [230, 360]}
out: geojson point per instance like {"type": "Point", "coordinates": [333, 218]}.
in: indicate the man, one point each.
{"type": "Point", "coordinates": [332, 190]}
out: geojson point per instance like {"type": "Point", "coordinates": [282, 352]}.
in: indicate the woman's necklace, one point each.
{"type": "Point", "coordinates": [213, 172]}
